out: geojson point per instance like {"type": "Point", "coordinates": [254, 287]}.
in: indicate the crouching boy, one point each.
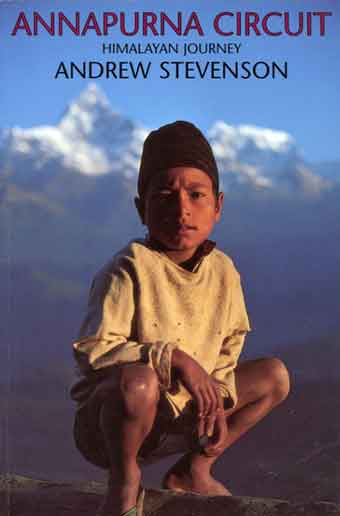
{"type": "Point", "coordinates": [159, 347]}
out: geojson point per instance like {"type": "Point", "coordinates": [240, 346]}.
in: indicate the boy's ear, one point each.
{"type": "Point", "coordinates": [140, 208]}
{"type": "Point", "coordinates": [219, 204]}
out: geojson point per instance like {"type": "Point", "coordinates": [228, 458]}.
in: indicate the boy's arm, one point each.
{"type": "Point", "coordinates": [232, 344]}
{"type": "Point", "coordinates": [199, 383]}
{"type": "Point", "coordinates": [104, 338]}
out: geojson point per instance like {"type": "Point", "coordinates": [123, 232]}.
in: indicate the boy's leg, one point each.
{"type": "Point", "coordinates": [261, 385]}
{"type": "Point", "coordinates": [127, 413]}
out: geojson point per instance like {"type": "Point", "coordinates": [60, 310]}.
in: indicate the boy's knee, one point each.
{"type": "Point", "coordinates": [279, 378]}
{"type": "Point", "coordinates": [139, 388]}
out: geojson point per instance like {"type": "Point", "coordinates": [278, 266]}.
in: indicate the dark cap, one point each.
{"type": "Point", "coordinates": [174, 145]}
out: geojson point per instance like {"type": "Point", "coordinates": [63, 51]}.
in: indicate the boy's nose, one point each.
{"type": "Point", "coordinates": [182, 204]}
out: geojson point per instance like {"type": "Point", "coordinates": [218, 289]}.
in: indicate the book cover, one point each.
{"type": "Point", "coordinates": [81, 87]}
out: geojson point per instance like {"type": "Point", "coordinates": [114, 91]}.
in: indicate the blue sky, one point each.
{"type": "Point", "coordinates": [306, 104]}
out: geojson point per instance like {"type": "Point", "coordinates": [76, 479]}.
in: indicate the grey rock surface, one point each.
{"type": "Point", "coordinates": [22, 496]}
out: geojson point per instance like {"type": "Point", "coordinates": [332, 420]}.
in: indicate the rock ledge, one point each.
{"type": "Point", "coordinates": [22, 496]}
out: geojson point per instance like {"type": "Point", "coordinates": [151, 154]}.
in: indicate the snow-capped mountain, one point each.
{"type": "Point", "coordinates": [90, 138]}
{"type": "Point", "coordinates": [249, 156]}
{"type": "Point", "coordinates": [94, 140]}
{"type": "Point", "coordinates": [252, 154]}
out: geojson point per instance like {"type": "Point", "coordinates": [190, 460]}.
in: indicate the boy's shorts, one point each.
{"type": "Point", "coordinates": [167, 437]}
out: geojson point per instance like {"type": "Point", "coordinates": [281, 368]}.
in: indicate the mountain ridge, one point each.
{"type": "Point", "coordinates": [94, 140]}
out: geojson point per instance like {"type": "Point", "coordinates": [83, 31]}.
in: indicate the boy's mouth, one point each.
{"type": "Point", "coordinates": [183, 229]}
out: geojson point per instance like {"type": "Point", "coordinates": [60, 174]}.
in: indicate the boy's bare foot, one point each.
{"type": "Point", "coordinates": [187, 483]}
{"type": "Point", "coordinates": [181, 477]}
{"type": "Point", "coordinates": [121, 494]}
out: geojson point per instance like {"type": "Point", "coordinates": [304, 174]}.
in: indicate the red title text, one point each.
{"type": "Point", "coordinates": [226, 23]}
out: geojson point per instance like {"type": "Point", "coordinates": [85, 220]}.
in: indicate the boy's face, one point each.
{"type": "Point", "coordinates": [180, 210]}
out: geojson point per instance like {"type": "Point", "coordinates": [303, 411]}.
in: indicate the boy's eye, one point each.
{"type": "Point", "coordinates": [162, 194]}
{"type": "Point", "coordinates": [196, 195]}
{"type": "Point", "coordinates": [165, 192]}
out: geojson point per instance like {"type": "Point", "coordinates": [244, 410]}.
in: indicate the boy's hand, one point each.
{"type": "Point", "coordinates": [216, 444]}
{"type": "Point", "coordinates": [202, 387]}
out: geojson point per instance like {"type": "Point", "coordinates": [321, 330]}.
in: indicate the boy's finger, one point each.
{"type": "Point", "coordinates": [207, 402]}
{"type": "Point", "coordinates": [201, 427]}
{"type": "Point", "coordinates": [210, 425]}
{"type": "Point", "coordinates": [200, 404]}
{"type": "Point", "coordinates": [214, 400]}
{"type": "Point", "coordinates": [212, 452]}
{"type": "Point", "coordinates": [219, 436]}
{"type": "Point", "coordinates": [213, 447]}
{"type": "Point", "coordinates": [219, 398]}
